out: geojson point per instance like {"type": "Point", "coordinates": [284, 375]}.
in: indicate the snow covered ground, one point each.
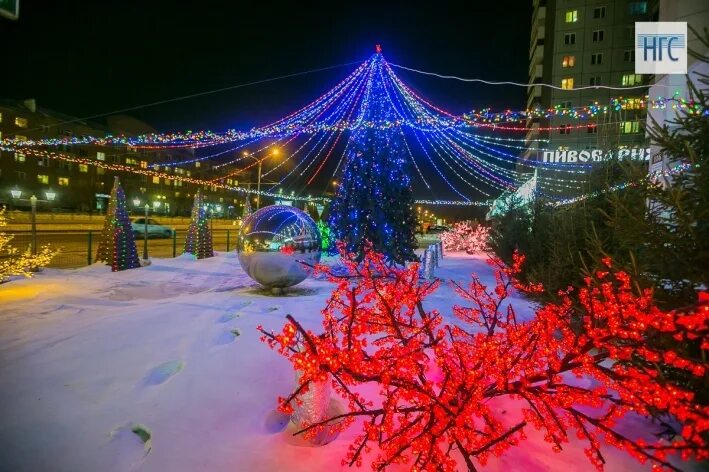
{"type": "Point", "coordinates": [171, 352]}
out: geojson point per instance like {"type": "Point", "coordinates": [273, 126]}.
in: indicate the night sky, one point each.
{"type": "Point", "coordinates": [91, 57]}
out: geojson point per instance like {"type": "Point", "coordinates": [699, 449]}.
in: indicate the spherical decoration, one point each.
{"type": "Point", "coordinates": [274, 241]}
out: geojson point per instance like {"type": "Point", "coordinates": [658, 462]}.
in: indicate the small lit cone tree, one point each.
{"type": "Point", "coordinates": [247, 206]}
{"type": "Point", "coordinates": [199, 237]}
{"type": "Point", "coordinates": [117, 245]}
{"type": "Point", "coordinates": [374, 202]}
{"type": "Point", "coordinates": [468, 237]}
{"type": "Point", "coordinates": [14, 262]}
{"type": "Point", "coordinates": [447, 389]}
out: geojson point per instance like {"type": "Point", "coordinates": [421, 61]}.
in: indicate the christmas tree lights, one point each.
{"type": "Point", "coordinates": [19, 263]}
{"type": "Point", "coordinates": [117, 246]}
{"type": "Point", "coordinates": [437, 379]}
{"type": "Point", "coordinates": [199, 237]}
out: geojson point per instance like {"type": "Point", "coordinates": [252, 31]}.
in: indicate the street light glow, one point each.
{"type": "Point", "coordinates": [16, 193]}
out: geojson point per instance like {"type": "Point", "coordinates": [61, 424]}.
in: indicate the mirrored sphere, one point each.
{"type": "Point", "coordinates": [273, 241]}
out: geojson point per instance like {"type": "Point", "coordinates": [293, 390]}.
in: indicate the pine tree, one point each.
{"type": "Point", "coordinates": [117, 246]}
{"type": "Point", "coordinates": [374, 203]}
{"type": "Point", "coordinates": [199, 237]}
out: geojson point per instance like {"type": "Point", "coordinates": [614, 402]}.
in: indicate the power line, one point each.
{"type": "Point", "coordinates": [198, 94]}
{"type": "Point", "coordinates": [518, 84]}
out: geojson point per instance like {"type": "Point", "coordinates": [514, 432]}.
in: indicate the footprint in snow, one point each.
{"type": "Point", "coordinates": [226, 317]}
{"type": "Point", "coordinates": [163, 372]}
{"type": "Point", "coordinates": [129, 445]}
{"type": "Point", "coordinates": [228, 337]}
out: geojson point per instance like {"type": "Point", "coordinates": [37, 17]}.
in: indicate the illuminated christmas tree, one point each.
{"type": "Point", "coordinates": [117, 246]}
{"type": "Point", "coordinates": [374, 203]}
{"type": "Point", "coordinates": [247, 206]}
{"type": "Point", "coordinates": [15, 262]}
{"type": "Point", "coordinates": [199, 237]}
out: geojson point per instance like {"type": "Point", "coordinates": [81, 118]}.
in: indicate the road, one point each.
{"type": "Point", "coordinates": [74, 245]}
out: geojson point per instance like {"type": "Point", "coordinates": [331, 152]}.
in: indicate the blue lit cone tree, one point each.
{"type": "Point", "coordinates": [117, 245]}
{"type": "Point", "coordinates": [374, 201]}
{"type": "Point", "coordinates": [199, 237]}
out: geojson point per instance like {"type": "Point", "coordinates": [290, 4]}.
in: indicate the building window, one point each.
{"type": "Point", "coordinates": [197, 164]}
{"type": "Point", "coordinates": [565, 129]}
{"type": "Point", "coordinates": [592, 129]}
{"type": "Point", "coordinates": [20, 175]}
{"type": "Point", "coordinates": [637, 8]}
{"type": "Point", "coordinates": [572, 16]}
{"type": "Point", "coordinates": [178, 183]}
{"type": "Point", "coordinates": [143, 164]}
{"type": "Point", "coordinates": [100, 156]}
{"type": "Point", "coordinates": [83, 168]}
{"type": "Point", "coordinates": [63, 181]}
{"type": "Point", "coordinates": [599, 12]}
{"type": "Point", "coordinates": [20, 122]}
{"type": "Point", "coordinates": [595, 81]}
{"type": "Point", "coordinates": [188, 173]}
{"type": "Point", "coordinates": [567, 104]}
{"type": "Point", "coordinates": [42, 179]}
{"type": "Point", "coordinates": [597, 58]}
{"type": "Point", "coordinates": [630, 32]}
{"type": "Point", "coordinates": [629, 56]}
{"type": "Point", "coordinates": [632, 79]}
{"type": "Point", "coordinates": [65, 166]}
{"type": "Point", "coordinates": [19, 157]}
{"type": "Point", "coordinates": [597, 36]}
{"type": "Point", "coordinates": [0, 117]}
{"type": "Point", "coordinates": [43, 162]}
{"type": "Point", "coordinates": [568, 83]}
{"type": "Point", "coordinates": [629, 127]}
{"type": "Point", "coordinates": [131, 162]}
{"type": "Point", "coordinates": [570, 38]}
{"type": "Point", "coordinates": [100, 171]}
{"type": "Point", "coordinates": [632, 104]}
{"type": "Point", "coordinates": [156, 180]}
{"type": "Point", "coordinates": [19, 137]}
{"type": "Point", "coordinates": [568, 61]}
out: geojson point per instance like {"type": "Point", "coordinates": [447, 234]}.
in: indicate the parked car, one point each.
{"type": "Point", "coordinates": [155, 229]}
{"type": "Point", "coordinates": [437, 229]}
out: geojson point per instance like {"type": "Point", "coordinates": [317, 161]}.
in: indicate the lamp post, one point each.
{"type": "Point", "coordinates": [33, 203]}
{"type": "Point", "coordinates": [274, 152]}
{"type": "Point", "coordinates": [145, 233]}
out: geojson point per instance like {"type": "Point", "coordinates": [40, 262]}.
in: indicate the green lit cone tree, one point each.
{"type": "Point", "coordinates": [117, 245]}
{"type": "Point", "coordinates": [199, 237]}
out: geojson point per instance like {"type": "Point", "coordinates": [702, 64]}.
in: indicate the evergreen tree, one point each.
{"type": "Point", "coordinates": [374, 202]}
{"type": "Point", "coordinates": [117, 246]}
{"type": "Point", "coordinates": [199, 237]}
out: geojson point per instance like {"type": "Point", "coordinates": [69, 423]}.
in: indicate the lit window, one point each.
{"type": "Point", "coordinates": [178, 183]}
{"type": "Point", "coordinates": [20, 122]}
{"type": "Point", "coordinates": [0, 117]}
{"type": "Point", "coordinates": [597, 58]}
{"type": "Point", "coordinates": [572, 16]}
{"type": "Point", "coordinates": [100, 156]}
{"type": "Point", "coordinates": [597, 36]}
{"type": "Point", "coordinates": [177, 194]}
{"type": "Point", "coordinates": [632, 104]}
{"type": "Point", "coordinates": [19, 137]}
{"type": "Point", "coordinates": [100, 171]}
{"type": "Point", "coordinates": [629, 127]}
{"type": "Point", "coordinates": [156, 180]}
{"type": "Point", "coordinates": [83, 168]}
{"type": "Point", "coordinates": [144, 164]}
{"type": "Point", "coordinates": [131, 162]}
{"type": "Point", "coordinates": [189, 173]}
{"type": "Point", "coordinates": [19, 157]}
{"type": "Point", "coordinates": [568, 83]}
{"type": "Point", "coordinates": [197, 164]}
{"type": "Point", "coordinates": [568, 61]}
{"type": "Point", "coordinates": [63, 181]}
{"type": "Point", "coordinates": [42, 179]}
{"type": "Point", "coordinates": [570, 38]}
{"type": "Point", "coordinates": [637, 8]}
{"type": "Point", "coordinates": [632, 79]}
{"type": "Point", "coordinates": [599, 12]}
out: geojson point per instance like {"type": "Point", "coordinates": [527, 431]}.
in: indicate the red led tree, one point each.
{"type": "Point", "coordinates": [438, 383]}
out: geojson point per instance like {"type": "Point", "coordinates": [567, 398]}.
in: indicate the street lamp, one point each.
{"type": "Point", "coordinates": [136, 202]}
{"type": "Point", "coordinates": [16, 193]}
{"type": "Point", "coordinates": [273, 152]}
{"type": "Point", "coordinates": [33, 203]}
{"type": "Point", "coordinates": [50, 194]}
{"type": "Point", "coordinates": [145, 233]}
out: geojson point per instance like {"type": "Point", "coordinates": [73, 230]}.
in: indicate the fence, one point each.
{"type": "Point", "coordinates": [78, 248]}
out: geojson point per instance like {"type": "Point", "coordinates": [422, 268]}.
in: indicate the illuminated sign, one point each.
{"type": "Point", "coordinates": [594, 155]}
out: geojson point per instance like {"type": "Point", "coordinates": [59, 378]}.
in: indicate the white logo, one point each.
{"type": "Point", "coordinates": [661, 48]}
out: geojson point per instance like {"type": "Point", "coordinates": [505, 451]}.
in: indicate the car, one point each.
{"type": "Point", "coordinates": [155, 229]}
{"type": "Point", "coordinates": [436, 229]}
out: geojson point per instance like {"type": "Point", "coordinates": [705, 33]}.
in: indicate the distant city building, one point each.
{"type": "Point", "coordinates": [576, 43]}
{"type": "Point", "coordinates": [68, 186]}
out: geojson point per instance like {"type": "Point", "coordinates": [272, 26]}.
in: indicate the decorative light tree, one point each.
{"type": "Point", "coordinates": [441, 384]}
{"type": "Point", "coordinates": [468, 237]}
{"type": "Point", "coordinates": [16, 263]}
{"type": "Point", "coordinates": [117, 246]}
{"type": "Point", "coordinates": [247, 206]}
{"type": "Point", "coordinates": [199, 238]}
{"type": "Point", "coordinates": [374, 202]}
